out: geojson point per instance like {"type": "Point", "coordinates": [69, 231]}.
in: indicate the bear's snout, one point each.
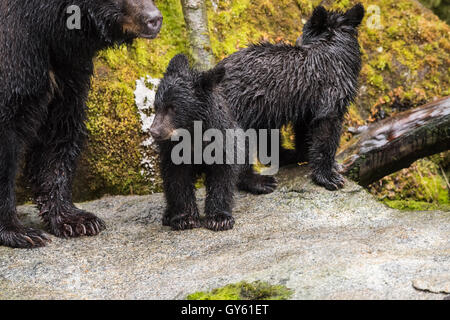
{"type": "Point", "coordinates": [162, 126]}
{"type": "Point", "coordinates": [153, 22]}
{"type": "Point", "coordinates": [141, 18]}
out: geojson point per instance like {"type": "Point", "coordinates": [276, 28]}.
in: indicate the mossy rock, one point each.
{"type": "Point", "coordinates": [423, 186]}
{"type": "Point", "coordinates": [406, 62]}
{"type": "Point", "coordinates": [412, 205]}
{"type": "Point", "coordinates": [245, 291]}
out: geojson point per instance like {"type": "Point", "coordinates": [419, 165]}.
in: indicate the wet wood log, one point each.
{"type": "Point", "coordinates": [395, 143]}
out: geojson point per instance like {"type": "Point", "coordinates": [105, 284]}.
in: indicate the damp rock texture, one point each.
{"type": "Point", "coordinates": [320, 244]}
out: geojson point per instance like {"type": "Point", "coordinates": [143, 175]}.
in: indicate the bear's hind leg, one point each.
{"type": "Point", "coordinates": [254, 183]}
{"type": "Point", "coordinates": [220, 186]}
{"type": "Point", "coordinates": [249, 180]}
{"type": "Point", "coordinates": [12, 232]}
{"type": "Point", "coordinates": [326, 134]}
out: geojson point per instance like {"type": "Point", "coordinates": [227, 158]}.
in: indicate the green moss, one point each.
{"type": "Point", "coordinates": [411, 205]}
{"type": "Point", "coordinates": [421, 187]}
{"type": "Point", "coordinates": [377, 80]}
{"type": "Point", "coordinates": [287, 137]}
{"type": "Point", "coordinates": [235, 24]}
{"type": "Point", "coordinates": [383, 62]}
{"type": "Point", "coordinates": [245, 291]}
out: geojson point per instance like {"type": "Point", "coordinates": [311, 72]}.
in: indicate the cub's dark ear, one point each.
{"type": "Point", "coordinates": [319, 18]}
{"type": "Point", "coordinates": [211, 78]}
{"type": "Point", "coordinates": [355, 15]}
{"type": "Point", "coordinates": [178, 64]}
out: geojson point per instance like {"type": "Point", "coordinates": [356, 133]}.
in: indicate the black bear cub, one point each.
{"type": "Point", "coordinates": [185, 97]}
{"type": "Point", "coordinates": [310, 85]}
{"type": "Point", "coordinates": [45, 72]}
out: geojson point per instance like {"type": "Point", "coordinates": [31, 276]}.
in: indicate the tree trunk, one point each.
{"type": "Point", "coordinates": [196, 19]}
{"type": "Point", "coordinates": [395, 143]}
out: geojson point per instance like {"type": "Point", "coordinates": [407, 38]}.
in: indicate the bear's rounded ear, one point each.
{"type": "Point", "coordinates": [355, 15]}
{"type": "Point", "coordinates": [319, 18]}
{"type": "Point", "coordinates": [211, 78]}
{"type": "Point", "coordinates": [178, 64]}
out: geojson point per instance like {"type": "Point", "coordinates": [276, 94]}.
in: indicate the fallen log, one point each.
{"type": "Point", "coordinates": [395, 143]}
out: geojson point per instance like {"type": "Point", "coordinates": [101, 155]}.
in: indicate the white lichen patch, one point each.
{"type": "Point", "coordinates": [144, 94]}
{"type": "Point", "coordinates": [145, 98]}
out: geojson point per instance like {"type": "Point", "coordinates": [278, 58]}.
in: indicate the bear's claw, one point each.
{"type": "Point", "coordinates": [258, 184]}
{"type": "Point", "coordinates": [184, 222]}
{"type": "Point", "coordinates": [219, 222]}
{"type": "Point", "coordinates": [331, 181]}
{"type": "Point", "coordinates": [71, 222]}
{"type": "Point", "coordinates": [21, 237]}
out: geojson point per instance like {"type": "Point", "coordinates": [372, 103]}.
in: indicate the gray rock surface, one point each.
{"type": "Point", "coordinates": [439, 284]}
{"type": "Point", "coordinates": [321, 244]}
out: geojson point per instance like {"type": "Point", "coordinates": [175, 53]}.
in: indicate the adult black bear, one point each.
{"type": "Point", "coordinates": [186, 97]}
{"type": "Point", "coordinates": [45, 70]}
{"type": "Point", "coordinates": [310, 85]}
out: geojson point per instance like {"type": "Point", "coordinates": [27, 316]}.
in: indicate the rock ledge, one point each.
{"type": "Point", "coordinates": [321, 244]}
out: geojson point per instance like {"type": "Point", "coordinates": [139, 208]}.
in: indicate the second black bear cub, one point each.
{"type": "Point", "coordinates": [310, 85]}
{"type": "Point", "coordinates": [186, 96]}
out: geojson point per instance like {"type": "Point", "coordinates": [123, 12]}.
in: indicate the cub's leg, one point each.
{"type": "Point", "coordinates": [179, 189]}
{"type": "Point", "coordinates": [325, 136]}
{"type": "Point", "coordinates": [254, 183]}
{"type": "Point", "coordinates": [220, 186]}
{"type": "Point", "coordinates": [249, 180]}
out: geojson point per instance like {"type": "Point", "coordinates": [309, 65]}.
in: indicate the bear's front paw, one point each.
{"type": "Point", "coordinates": [330, 180]}
{"type": "Point", "coordinates": [219, 222]}
{"type": "Point", "coordinates": [184, 222]}
{"type": "Point", "coordinates": [18, 236]}
{"type": "Point", "coordinates": [258, 184]}
{"type": "Point", "coordinates": [69, 222]}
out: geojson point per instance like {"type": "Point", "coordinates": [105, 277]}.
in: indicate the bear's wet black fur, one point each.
{"type": "Point", "coordinates": [311, 85]}
{"type": "Point", "coordinates": [45, 70]}
{"type": "Point", "coordinates": [183, 97]}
